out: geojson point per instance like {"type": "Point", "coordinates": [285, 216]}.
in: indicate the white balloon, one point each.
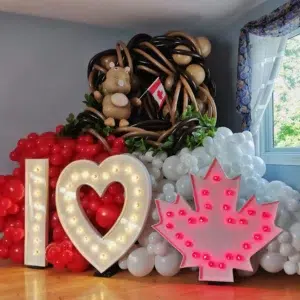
{"type": "Point", "coordinates": [123, 263]}
{"type": "Point", "coordinates": [292, 205]}
{"type": "Point", "coordinates": [156, 173]}
{"type": "Point", "coordinates": [184, 186]}
{"type": "Point", "coordinates": [248, 148]}
{"type": "Point", "coordinates": [290, 268]}
{"type": "Point", "coordinates": [168, 188]}
{"type": "Point", "coordinates": [169, 167]}
{"type": "Point", "coordinates": [157, 163]}
{"type": "Point", "coordinates": [286, 249]}
{"type": "Point", "coordinates": [171, 197]}
{"type": "Point", "coordinates": [184, 151]}
{"type": "Point", "coordinates": [239, 138]}
{"type": "Point", "coordinates": [182, 169]}
{"type": "Point", "coordinates": [284, 237]}
{"type": "Point", "coordinates": [149, 156]}
{"type": "Point", "coordinates": [236, 167]}
{"type": "Point", "coordinates": [155, 215]}
{"type": "Point", "coordinates": [295, 258]}
{"type": "Point", "coordinates": [248, 135]}
{"type": "Point", "coordinates": [161, 249]}
{"type": "Point", "coordinates": [272, 262]}
{"type": "Point", "coordinates": [199, 152]}
{"type": "Point", "coordinates": [140, 262]}
{"type": "Point", "coordinates": [144, 237]}
{"type": "Point", "coordinates": [247, 171]}
{"type": "Point", "coordinates": [259, 166]}
{"type": "Point", "coordinates": [151, 249]}
{"type": "Point", "coordinates": [224, 131]}
{"type": "Point", "coordinates": [155, 238]}
{"type": "Point", "coordinates": [296, 244]}
{"type": "Point", "coordinates": [202, 172]}
{"type": "Point", "coordinates": [273, 246]}
{"type": "Point", "coordinates": [168, 265]}
{"type": "Point", "coordinates": [207, 143]}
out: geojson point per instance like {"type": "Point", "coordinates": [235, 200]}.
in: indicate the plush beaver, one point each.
{"type": "Point", "coordinates": [116, 105]}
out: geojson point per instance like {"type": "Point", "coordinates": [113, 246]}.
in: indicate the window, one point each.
{"type": "Point", "coordinates": [280, 131]}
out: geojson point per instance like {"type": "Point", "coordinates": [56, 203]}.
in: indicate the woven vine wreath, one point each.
{"type": "Point", "coordinates": [189, 112]}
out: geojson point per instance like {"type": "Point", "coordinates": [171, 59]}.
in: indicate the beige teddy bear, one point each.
{"type": "Point", "coordinates": [115, 104]}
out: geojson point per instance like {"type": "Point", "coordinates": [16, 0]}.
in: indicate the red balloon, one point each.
{"type": "Point", "coordinates": [119, 143]}
{"type": "Point", "coordinates": [14, 155]}
{"type": "Point", "coordinates": [58, 264]}
{"type": "Point", "coordinates": [3, 212]}
{"type": "Point", "coordinates": [119, 199]}
{"type": "Point", "coordinates": [18, 234]}
{"type": "Point", "coordinates": [4, 251]}
{"type": "Point", "coordinates": [101, 157]}
{"type": "Point", "coordinates": [32, 136]}
{"type": "Point", "coordinates": [54, 221]}
{"type": "Point", "coordinates": [16, 253]}
{"type": "Point", "coordinates": [14, 189]}
{"type": "Point", "coordinates": [66, 245]}
{"type": "Point", "coordinates": [52, 252]}
{"type": "Point", "coordinates": [5, 202]}
{"type": "Point", "coordinates": [59, 128]}
{"type": "Point", "coordinates": [2, 223]}
{"type": "Point", "coordinates": [115, 188]}
{"type": "Point", "coordinates": [59, 234]}
{"type": "Point", "coordinates": [107, 199]}
{"type": "Point", "coordinates": [78, 263]}
{"type": "Point", "coordinates": [54, 171]}
{"type": "Point", "coordinates": [14, 209]}
{"type": "Point", "coordinates": [66, 256]}
{"type": "Point", "coordinates": [107, 215]}
{"type": "Point", "coordinates": [56, 159]}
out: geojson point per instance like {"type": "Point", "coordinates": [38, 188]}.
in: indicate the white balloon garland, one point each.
{"type": "Point", "coordinates": [236, 154]}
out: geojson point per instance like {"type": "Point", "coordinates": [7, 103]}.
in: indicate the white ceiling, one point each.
{"type": "Point", "coordinates": [117, 13]}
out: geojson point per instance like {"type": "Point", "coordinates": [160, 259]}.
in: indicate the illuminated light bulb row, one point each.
{"type": "Point", "coordinates": [36, 212]}
{"type": "Point", "coordinates": [100, 251]}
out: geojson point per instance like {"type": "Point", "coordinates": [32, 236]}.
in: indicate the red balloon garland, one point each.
{"type": "Point", "coordinates": [102, 211]}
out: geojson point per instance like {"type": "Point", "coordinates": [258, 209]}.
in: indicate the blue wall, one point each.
{"type": "Point", "coordinates": [43, 73]}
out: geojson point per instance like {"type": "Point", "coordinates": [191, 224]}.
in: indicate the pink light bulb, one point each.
{"type": "Point", "coordinates": [222, 265]}
{"type": "Point", "coordinates": [170, 214]}
{"type": "Point", "coordinates": [182, 212]}
{"type": "Point", "coordinates": [251, 212]}
{"type": "Point", "coordinates": [169, 226]}
{"type": "Point", "coordinates": [192, 220]}
{"type": "Point", "coordinates": [246, 246]}
{"type": "Point", "coordinates": [217, 178]}
{"type": "Point", "coordinates": [229, 256]}
{"type": "Point", "coordinates": [179, 236]}
{"type": "Point", "coordinates": [230, 192]}
{"type": "Point", "coordinates": [188, 244]}
{"type": "Point", "coordinates": [243, 222]}
{"type": "Point", "coordinates": [206, 256]}
{"type": "Point", "coordinates": [258, 237]}
{"type": "Point", "coordinates": [211, 264]}
{"type": "Point", "coordinates": [208, 206]}
{"type": "Point", "coordinates": [203, 219]}
{"type": "Point", "coordinates": [266, 229]}
{"type": "Point", "coordinates": [205, 192]}
{"type": "Point", "coordinates": [226, 207]}
{"type": "Point", "coordinates": [266, 215]}
{"type": "Point", "coordinates": [239, 257]}
{"type": "Point", "coordinates": [230, 221]}
{"type": "Point", "coordinates": [196, 254]}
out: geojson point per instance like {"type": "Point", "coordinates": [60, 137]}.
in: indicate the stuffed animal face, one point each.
{"type": "Point", "coordinates": [117, 80]}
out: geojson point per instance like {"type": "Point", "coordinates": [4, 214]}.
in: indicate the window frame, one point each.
{"type": "Point", "coordinates": [270, 154]}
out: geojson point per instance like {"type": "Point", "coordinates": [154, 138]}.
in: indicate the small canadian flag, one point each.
{"type": "Point", "coordinates": [156, 89]}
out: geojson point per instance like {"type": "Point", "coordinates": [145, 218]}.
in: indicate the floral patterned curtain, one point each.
{"type": "Point", "coordinates": [280, 22]}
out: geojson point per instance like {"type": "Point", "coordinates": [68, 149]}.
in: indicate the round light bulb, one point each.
{"type": "Point", "coordinates": [85, 174]}
{"type": "Point", "coordinates": [105, 176]}
{"type": "Point", "coordinates": [75, 176]}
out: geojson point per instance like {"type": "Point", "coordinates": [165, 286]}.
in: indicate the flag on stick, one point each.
{"type": "Point", "coordinates": [156, 89]}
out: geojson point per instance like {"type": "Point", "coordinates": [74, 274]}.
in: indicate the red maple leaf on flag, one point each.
{"type": "Point", "coordinates": [215, 236]}
{"type": "Point", "coordinates": [160, 94]}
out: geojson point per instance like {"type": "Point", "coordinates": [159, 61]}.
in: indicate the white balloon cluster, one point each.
{"type": "Point", "coordinates": [236, 154]}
